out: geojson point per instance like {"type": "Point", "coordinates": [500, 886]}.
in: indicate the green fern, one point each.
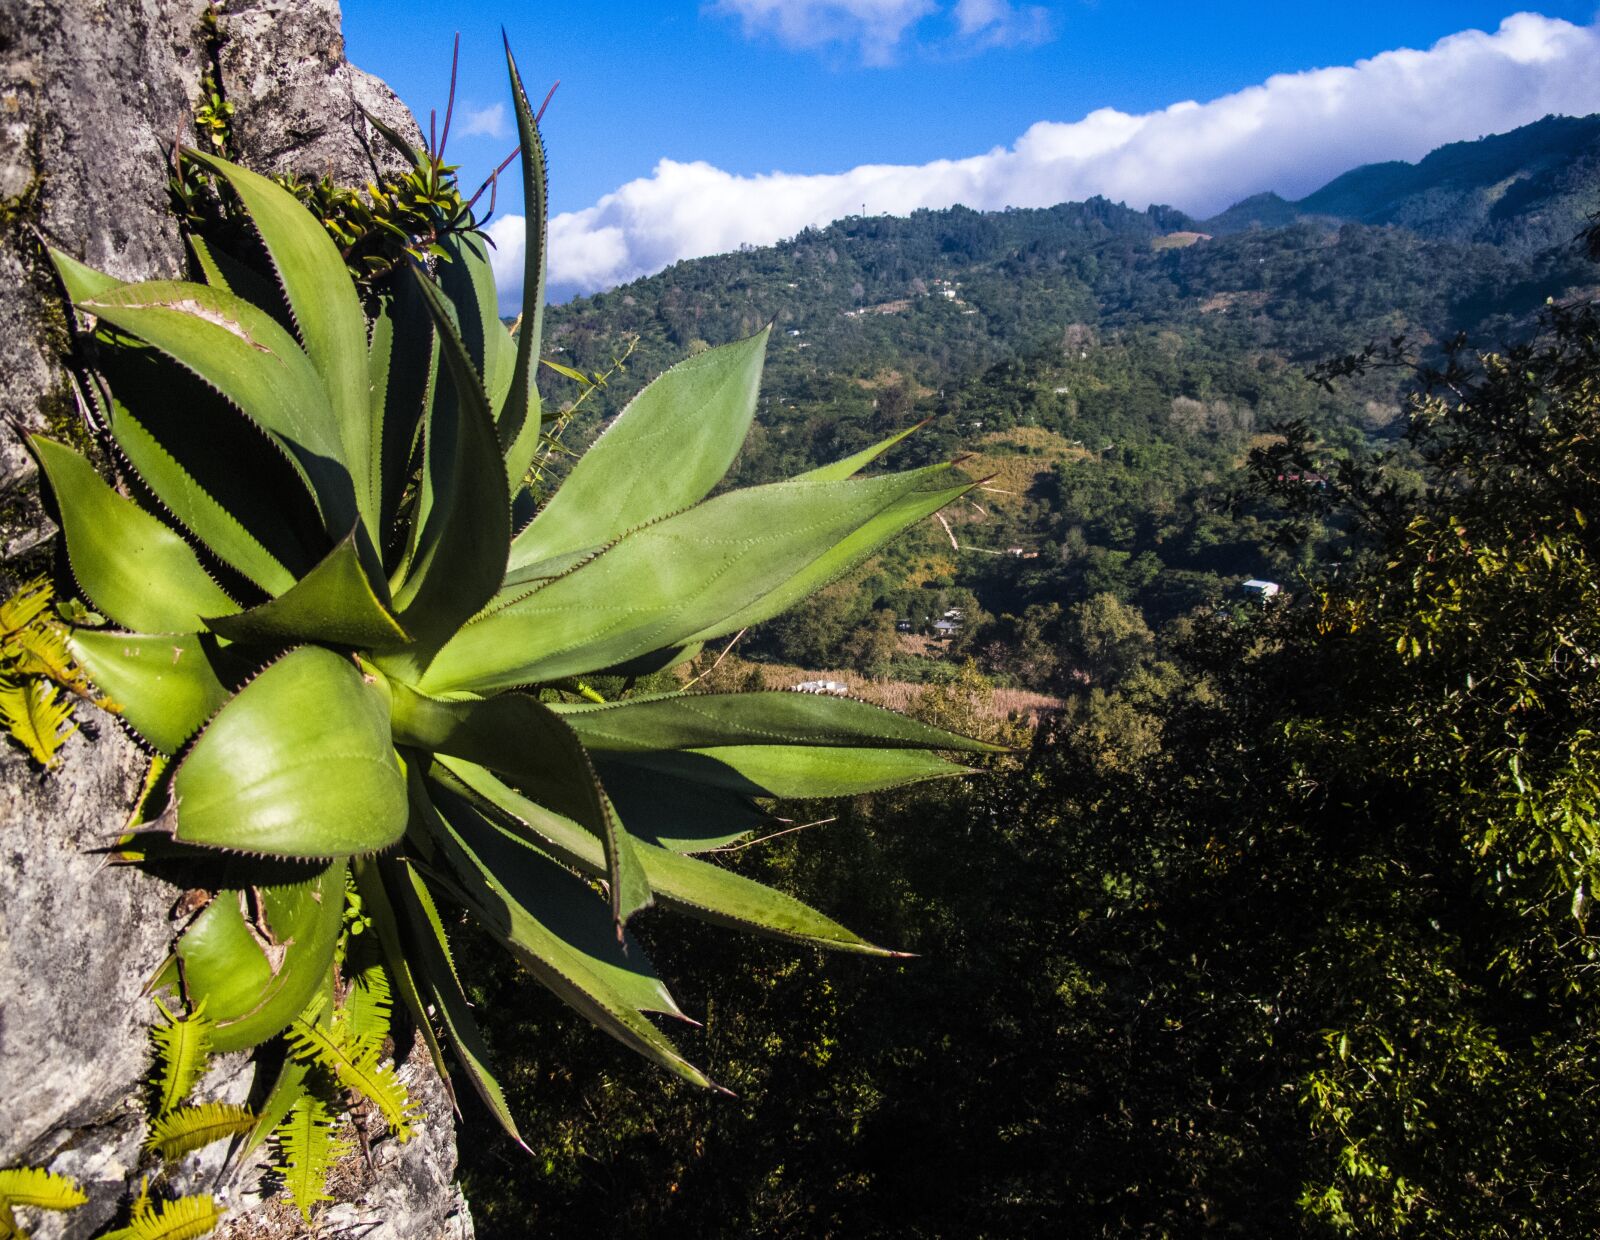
{"type": "Point", "coordinates": [307, 1150]}
{"type": "Point", "coordinates": [36, 716]}
{"type": "Point", "coordinates": [185, 1218]}
{"type": "Point", "coordinates": [191, 1128]}
{"type": "Point", "coordinates": [182, 1047]}
{"type": "Point", "coordinates": [364, 1016]}
{"type": "Point", "coordinates": [356, 1068]}
{"type": "Point", "coordinates": [35, 1187]}
{"type": "Point", "coordinates": [34, 666]}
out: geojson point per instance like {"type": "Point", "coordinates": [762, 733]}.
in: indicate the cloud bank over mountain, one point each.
{"type": "Point", "coordinates": [1292, 133]}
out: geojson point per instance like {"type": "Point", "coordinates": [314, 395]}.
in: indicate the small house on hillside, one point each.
{"type": "Point", "coordinates": [1262, 590]}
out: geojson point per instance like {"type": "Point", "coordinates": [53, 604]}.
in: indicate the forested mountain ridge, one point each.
{"type": "Point", "coordinates": [1111, 367]}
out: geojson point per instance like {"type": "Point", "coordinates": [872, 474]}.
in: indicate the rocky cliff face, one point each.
{"type": "Point", "coordinates": [92, 95]}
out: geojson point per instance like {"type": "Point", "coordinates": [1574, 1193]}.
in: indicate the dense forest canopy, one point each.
{"type": "Point", "coordinates": [1279, 924]}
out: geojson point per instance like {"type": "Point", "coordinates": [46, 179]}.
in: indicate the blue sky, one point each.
{"type": "Point", "coordinates": [673, 115]}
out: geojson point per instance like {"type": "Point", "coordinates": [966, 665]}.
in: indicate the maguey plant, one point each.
{"type": "Point", "coordinates": [336, 613]}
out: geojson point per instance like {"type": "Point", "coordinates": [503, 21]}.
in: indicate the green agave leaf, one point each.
{"type": "Point", "coordinates": [664, 452]}
{"type": "Point", "coordinates": [221, 269]}
{"type": "Point", "coordinates": [80, 281]}
{"type": "Point", "coordinates": [404, 361]}
{"type": "Point", "coordinates": [327, 310]}
{"type": "Point", "coordinates": [298, 764]}
{"type": "Point", "coordinates": [677, 812]}
{"type": "Point", "coordinates": [698, 720]}
{"type": "Point", "coordinates": [189, 500]}
{"type": "Point", "coordinates": [523, 740]}
{"type": "Point", "coordinates": [374, 877]}
{"type": "Point", "coordinates": [694, 887]}
{"type": "Point", "coordinates": [465, 506]}
{"type": "Point", "coordinates": [242, 351]}
{"type": "Point", "coordinates": [165, 688]}
{"type": "Point", "coordinates": [468, 281]}
{"type": "Point", "coordinates": [851, 465]}
{"type": "Point", "coordinates": [134, 568]}
{"type": "Point", "coordinates": [256, 959]}
{"type": "Point", "coordinates": [432, 956]}
{"type": "Point", "coordinates": [796, 771]}
{"type": "Point", "coordinates": [850, 552]}
{"type": "Point", "coordinates": [333, 603]}
{"type": "Point", "coordinates": [519, 417]}
{"type": "Point", "coordinates": [232, 486]}
{"type": "Point", "coordinates": [556, 927]}
{"type": "Point", "coordinates": [288, 1087]}
{"type": "Point", "coordinates": [660, 585]}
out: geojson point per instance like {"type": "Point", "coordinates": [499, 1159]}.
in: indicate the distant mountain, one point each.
{"type": "Point", "coordinates": [1524, 191]}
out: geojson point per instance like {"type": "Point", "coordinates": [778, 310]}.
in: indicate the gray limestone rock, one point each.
{"type": "Point", "coordinates": [93, 94]}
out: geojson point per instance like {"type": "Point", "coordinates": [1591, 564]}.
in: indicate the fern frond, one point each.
{"type": "Point", "coordinates": [183, 1047]}
{"type": "Point", "coordinates": [25, 606]}
{"type": "Point", "coordinates": [358, 1070]}
{"type": "Point", "coordinates": [35, 715]}
{"type": "Point", "coordinates": [191, 1128]}
{"type": "Point", "coordinates": [9, 1229]}
{"type": "Point", "coordinates": [186, 1218]}
{"type": "Point", "coordinates": [44, 1190]}
{"type": "Point", "coordinates": [307, 1149]}
{"type": "Point", "coordinates": [41, 650]}
{"type": "Point", "coordinates": [367, 1008]}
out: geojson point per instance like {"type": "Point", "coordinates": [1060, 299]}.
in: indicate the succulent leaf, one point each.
{"type": "Point", "coordinates": [694, 721]}
{"type": "Point", "coordinates": [525, 741]}
{"type": "Point", "coordinates": [247, 356]}
{"type": "Point", "coordinates": [134, 568]}
{"type": "Point", "coordinates": [166, 687]}
{"type": "Point", "coordinates": [519, 418]}
{"type": "Point", "coordinates": [660, 585]}
{"type": "Point", "coordinates": [559, 931]}
{"type": "Point", "coordinates": [327, 311]}
{"type": "Point", "coordinates": [299, 763]}
{"type": "Point", "coordinates": [333, 603]}
{"type": "Point", "coordinates": [463, 506]}
{"type": "Point", "coordinates": [664, 452]}
{"type": "Point", "coordinates": [256, 958]}
{"type": "Point", "coordinates": [794, 771]}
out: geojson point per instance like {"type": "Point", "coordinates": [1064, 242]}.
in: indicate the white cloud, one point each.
{"type": "Point", "coordinates": [878, 26]}
{"type": "Point", "coordinates": [489, 122]}
{"type": "Point", "coordinates": [1291, 134]}
{"type": "Point", "coordinates": [999, 23]}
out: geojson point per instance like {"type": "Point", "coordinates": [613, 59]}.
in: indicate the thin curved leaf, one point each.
{"type": "Point", "coordinates": [848, 467]}
{"type": "Point", "coordinates": [298, 764]}
{"type": "Point", "coordinates": [135, 569]}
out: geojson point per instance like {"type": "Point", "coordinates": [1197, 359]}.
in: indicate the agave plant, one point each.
{"type": "Point", "coordinates": [334, 610]}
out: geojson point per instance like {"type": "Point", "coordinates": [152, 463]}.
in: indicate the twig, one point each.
{"type": "Point", "coordinates": [718, 663]}
{"type": "Point", "coordinates": [727, 848]}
